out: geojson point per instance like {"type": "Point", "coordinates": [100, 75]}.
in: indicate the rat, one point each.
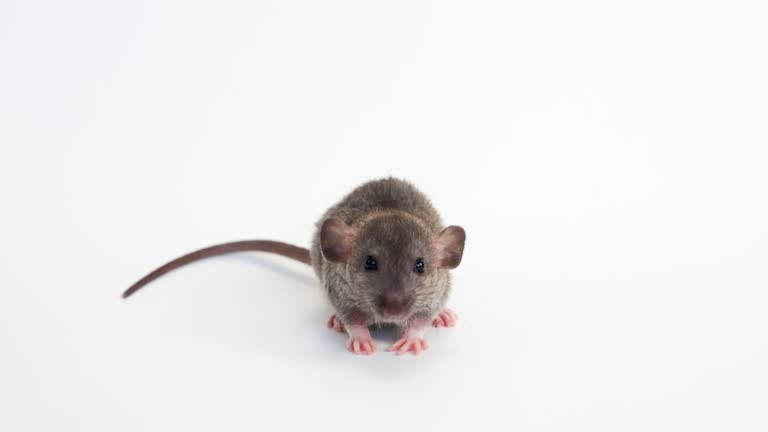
{"type": "Point", "coordinates": [382, 255]}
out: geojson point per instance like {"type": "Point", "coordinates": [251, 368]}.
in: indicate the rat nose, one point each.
{"type": "Point", "coordinates": [392, 303]}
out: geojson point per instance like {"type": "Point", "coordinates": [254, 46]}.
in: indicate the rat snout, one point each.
{"type": "Point", "coordinates": [393, 303]}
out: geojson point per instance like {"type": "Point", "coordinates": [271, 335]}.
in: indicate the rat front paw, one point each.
{"type": "Point", "coordinates": [361, 345]}
{"type": "Point", "coordinates": [335, 323]}
{"type": "Point", "coordinates": [409, 343]}
{"type": "Point", "coordinates": [446, 318]}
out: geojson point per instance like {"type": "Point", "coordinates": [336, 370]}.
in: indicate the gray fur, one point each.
{"type": "Point", "coordinates": [397, 224]}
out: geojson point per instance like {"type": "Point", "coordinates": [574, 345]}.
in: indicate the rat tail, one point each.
{"type": "Point", "coordinates": [284, 249]}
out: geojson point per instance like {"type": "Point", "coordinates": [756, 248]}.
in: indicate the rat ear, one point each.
{"type": "Point", "coordinates": [448, 247]}
{"type": "Point", "coordinates": [336, 240]}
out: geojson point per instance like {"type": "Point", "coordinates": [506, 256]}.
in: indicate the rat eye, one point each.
{"type": "Point", "coordinates": [419, 266]}
{"type": "Point", "coordinates": [370, 263]}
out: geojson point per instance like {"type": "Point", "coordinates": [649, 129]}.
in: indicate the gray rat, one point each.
{"type": "Point", "coordinates": [382, 255]}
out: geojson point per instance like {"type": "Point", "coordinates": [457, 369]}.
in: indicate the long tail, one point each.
{"type": "Point", "coordinates": [284, 249]}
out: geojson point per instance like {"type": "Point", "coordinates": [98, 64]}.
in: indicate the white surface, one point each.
{"type": "Point", "coordinates": [607, 160]}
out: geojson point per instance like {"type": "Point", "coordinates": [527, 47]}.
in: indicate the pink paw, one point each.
{"type": "Point", "coordinates": [409, 343]}
{"type": "Point", "coordinates": [359, 344]}
{"type": "Point", "coordinates": [335, 323]}
{"type": "Point", "coordinates": [446, 318]}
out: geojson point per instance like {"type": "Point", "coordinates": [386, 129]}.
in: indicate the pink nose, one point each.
{"type": "Point", "coordinates": [392, 304]}
{"type": "Point", "coordinates": [393, 308]}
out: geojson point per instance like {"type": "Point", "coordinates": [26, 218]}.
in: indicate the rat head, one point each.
{"type": "Point", "coordinates": [395, 264]}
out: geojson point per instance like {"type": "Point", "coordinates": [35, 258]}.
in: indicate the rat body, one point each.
{"type": "Point", "coordinates": [382, 256]}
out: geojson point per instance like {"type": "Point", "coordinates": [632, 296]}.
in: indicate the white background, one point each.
{"type": "Point", "coordinates": [607, 159]}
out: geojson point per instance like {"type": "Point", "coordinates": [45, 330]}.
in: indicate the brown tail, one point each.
{"type": "Point", "coordinates": [284, 249]}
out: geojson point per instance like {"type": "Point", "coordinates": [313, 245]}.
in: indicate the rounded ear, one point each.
{"type": "Point", "coordinates": [336, 240]}
{"type": "Point", "coordinates": [448, 247]}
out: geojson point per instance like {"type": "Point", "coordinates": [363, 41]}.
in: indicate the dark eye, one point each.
{"type": "Point", "coordinates": [419, 266]}
{"type": "Point", "coordinates": [370, 263]}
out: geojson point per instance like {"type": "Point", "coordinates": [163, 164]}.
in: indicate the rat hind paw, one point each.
{"type": "Point", "coordinates": [446, 318]}
{"type": "Point", "coordinates": [335, 323]}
